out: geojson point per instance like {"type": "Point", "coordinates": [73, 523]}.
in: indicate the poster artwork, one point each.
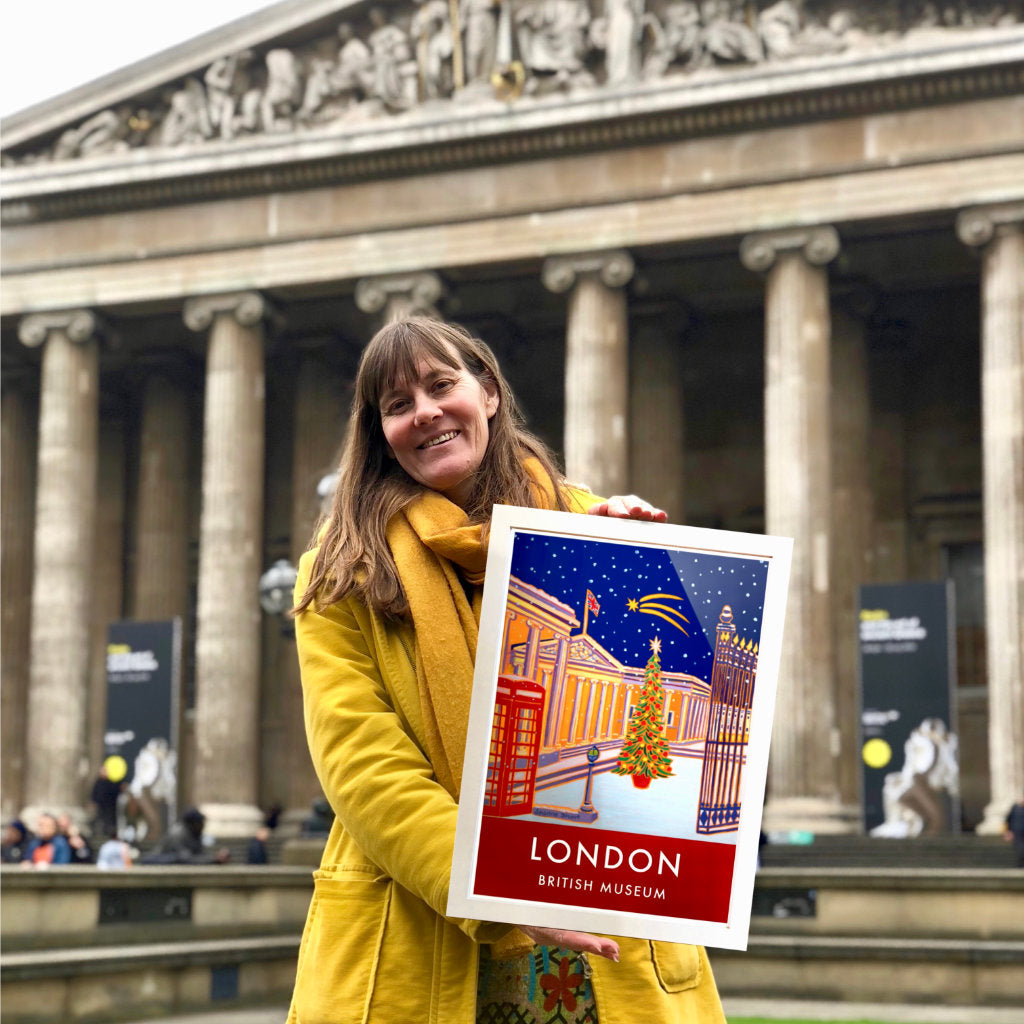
{"type": "Point", "coordinates": [622, 706]}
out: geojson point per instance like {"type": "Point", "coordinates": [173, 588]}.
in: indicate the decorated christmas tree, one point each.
{"type": "Point", "coordinates": [644, 753]}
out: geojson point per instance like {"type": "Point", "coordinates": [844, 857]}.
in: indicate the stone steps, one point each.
{"type": "Point", "coordinates": [904, 935]}
{"type": "Point", "coordinates": [951, 851]}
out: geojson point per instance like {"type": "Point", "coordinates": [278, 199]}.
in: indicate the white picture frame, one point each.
{"type": "Point", "coordinates": [550, 833]}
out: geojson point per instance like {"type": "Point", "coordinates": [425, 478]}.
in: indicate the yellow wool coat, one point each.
{"type": "Point", "coordinates": [377, 947]}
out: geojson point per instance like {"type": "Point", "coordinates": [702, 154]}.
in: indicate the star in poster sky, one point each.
{"type": "Point", "coordinates": [691, 586]}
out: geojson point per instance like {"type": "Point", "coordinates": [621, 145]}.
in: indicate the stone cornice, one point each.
{"type": "Point", "coordinates": [493, 132]}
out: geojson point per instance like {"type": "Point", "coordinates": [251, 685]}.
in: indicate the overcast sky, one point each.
{"type": "Point", "coordinates": [50, 46]}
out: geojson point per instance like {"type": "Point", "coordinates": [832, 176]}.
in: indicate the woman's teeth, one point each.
{"type": "Point", "coordinates": [440, 439]}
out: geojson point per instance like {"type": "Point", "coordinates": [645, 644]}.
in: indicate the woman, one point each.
{"type": "Point", "coordinates": [387, 606]}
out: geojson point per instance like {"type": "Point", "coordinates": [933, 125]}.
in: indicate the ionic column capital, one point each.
{"type": "Point", "coordinates": [78, 325]}
{"type": "Point", "coordinates": [421, 290]}
{"type": "Point", "coordinates": [247, 308]}
{"type": "Point", "coordinates": [818, 245]}
{"type": "Point", "coordinates": [614, 266]}
{"type": "Point", "coordinates": [980, 224]}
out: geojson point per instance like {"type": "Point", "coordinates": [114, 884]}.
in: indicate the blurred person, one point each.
{"type": "Point", "coordinates": [257, 852]}
{"type": "Point", "coordinates": [81, 849]}
{"type": "Point", "coordinates": [185, 843]}
{"type": "Point", "coordinates": [114, 853]}
{"type": "Point", "coordinates": [48, 847]}
{"type": "Point", "coordinates": [1014, 832]}
{"type": "Point", "coordinates": [106, 789]}
{"type": "Point", "coordinates": [16, 837]}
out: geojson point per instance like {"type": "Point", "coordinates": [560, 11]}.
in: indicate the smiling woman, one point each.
{"type": "Point", "coordinates": [388, 609]}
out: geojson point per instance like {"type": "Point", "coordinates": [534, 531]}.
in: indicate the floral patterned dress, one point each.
{"type": "Point", "coordinates": [547, 986]}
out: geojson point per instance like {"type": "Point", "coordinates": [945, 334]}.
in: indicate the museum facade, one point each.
{"type": "Point", "coordinates": [761, 263]}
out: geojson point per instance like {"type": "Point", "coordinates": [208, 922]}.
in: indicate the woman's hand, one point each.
{"type": "Point", "coordinates": [581, 942]}
{"type": "Point", "coordinates": [628, 506]}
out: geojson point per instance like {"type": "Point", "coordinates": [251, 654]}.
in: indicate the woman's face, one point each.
{"type": "Point", "coordinates": [437, 425]}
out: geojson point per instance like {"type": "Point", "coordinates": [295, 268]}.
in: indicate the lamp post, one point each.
{"type": "Point", "coordinates": [588, 812]}
{"type": "Point", "coordinates": [276, 586]}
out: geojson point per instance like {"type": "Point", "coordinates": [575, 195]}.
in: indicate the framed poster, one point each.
{"type": "Point", "coordinates": [619, 727]}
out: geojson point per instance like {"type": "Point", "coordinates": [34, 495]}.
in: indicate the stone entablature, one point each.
{"type": "Point", "coordinates": [449, 135]}
{"type": "Point", "coordinates": [426, 58]}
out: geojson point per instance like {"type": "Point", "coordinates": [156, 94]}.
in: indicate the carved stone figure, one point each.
{"type": "Point", "coordinates": [354, 72]}
{"type": "Point", "coordinates": [101, 133]}
{"type": "Point", "coordinates": [553, 41]}
{"type": "Point", "coordinates": [676, 38]}
{"type": "Point", "coordinates": [479, 20]}
{"type": "Point", "coordinates": [726, 37]}
{"type": "Point", "coordinates": [283, 95]}
{"type": "Point", "coordinates": [784, 36]}
{"type": "Point", "coordinates": [227, 81]}
{"type": "Point", "coordinates": [188, 119]}
{"type": "Point", "coordinates": [389, 46]}
{"type": "Point", "coordinates": [431, 30]}
{"type": "Point", "coordinates": [625, 21]}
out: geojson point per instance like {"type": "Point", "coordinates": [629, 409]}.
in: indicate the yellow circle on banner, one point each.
{"type": "Point", "coordinates": [876, 753]}
{"type": "Point", "coordinates": [117, 767]}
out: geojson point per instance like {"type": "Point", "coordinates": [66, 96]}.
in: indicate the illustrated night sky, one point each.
{"type": "Point", "coordinates": [617, 573]}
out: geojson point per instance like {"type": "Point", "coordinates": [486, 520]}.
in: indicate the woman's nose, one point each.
{"type": "Point", "coordinates": [426, 410]}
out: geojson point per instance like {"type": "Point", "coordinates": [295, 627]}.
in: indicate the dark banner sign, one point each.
{"type": "Point", "coordinates": [141, 737]}
{"type": "Point", "coordinates": [909, 753]}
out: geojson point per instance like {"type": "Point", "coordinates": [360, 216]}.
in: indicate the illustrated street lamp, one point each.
{"type": "Point", "coordinates": [588, 812]}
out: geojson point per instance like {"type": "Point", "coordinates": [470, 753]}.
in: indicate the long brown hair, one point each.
{"type": "Point", "coordinates": [353, 554]}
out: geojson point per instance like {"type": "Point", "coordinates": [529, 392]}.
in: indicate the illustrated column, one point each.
{"type": "Point", "coordinates": [596, 367]}
{"type": "Point", "coordinates": [396, 296]}
{"type": "Point", "coordinates": [999, 232]}
{"type": "Point", "coordinates": [803, 782]}
{"type": "Point", "coordinates": [57, 768]}
{"type": "Point", "coordinates": [230, 552]}
{"type": "Point", "coordinates": [19, 417]}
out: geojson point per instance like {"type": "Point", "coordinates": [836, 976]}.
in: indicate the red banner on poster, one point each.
{"type": "Point", "coordinates": [601, 868]}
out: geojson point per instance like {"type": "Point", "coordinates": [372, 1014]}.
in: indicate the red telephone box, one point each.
{"type": "Point", "coordinates": [515, 744]}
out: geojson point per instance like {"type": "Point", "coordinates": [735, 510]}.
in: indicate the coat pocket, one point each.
{"type": "Point", "coordinates": [677, 965]}
{"type": "Point", "coordinates": [341, 947]}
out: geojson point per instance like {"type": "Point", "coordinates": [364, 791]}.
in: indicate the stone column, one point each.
{"type": "Point", "coordinates": [321, 407]}
{"type": "Point", "coordinates": [18, 417]}
{"type": "Point", "coordinates": [596, 367]}
{"type": "Point", "coordinates": [107, 591]}
{"type": "Point", "coordinates": [57, 768]}
{"type": "Point", "coordinates": [159, 584]}
{"type": "Point", "coordinates": [230, 556]}
{"type": "Point", "coordinates": [803, 784]}
{"type": "Point", "coordinates": [396, 296]}
{"type": "Point", "coordinates": [657, 452]}
{"type": "Point", "coordinates": [999, 231]}
{"type": "Point", "coordinates": [852, 537]}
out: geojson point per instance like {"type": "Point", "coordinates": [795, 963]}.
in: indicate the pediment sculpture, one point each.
{"type": "Point", "coordinates": [383, 62]}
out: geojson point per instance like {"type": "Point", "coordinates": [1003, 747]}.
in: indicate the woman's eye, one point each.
{"type": "Point", "coordinates": [443, 385]}
{"type": "Point", "coordinates": [395, 407]}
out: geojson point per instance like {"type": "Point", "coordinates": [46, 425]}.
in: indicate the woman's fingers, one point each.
{"type": "Point", "coordinates": [628, 506]}
{"type": "Point", "coordinates": [582, 942]}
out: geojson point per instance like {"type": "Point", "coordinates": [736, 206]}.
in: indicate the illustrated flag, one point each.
{"type": "Point", "coordinates": [592, 603]}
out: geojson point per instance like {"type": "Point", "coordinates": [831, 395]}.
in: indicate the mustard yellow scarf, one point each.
{"type": "Point", "coordinates": [433, 543]}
